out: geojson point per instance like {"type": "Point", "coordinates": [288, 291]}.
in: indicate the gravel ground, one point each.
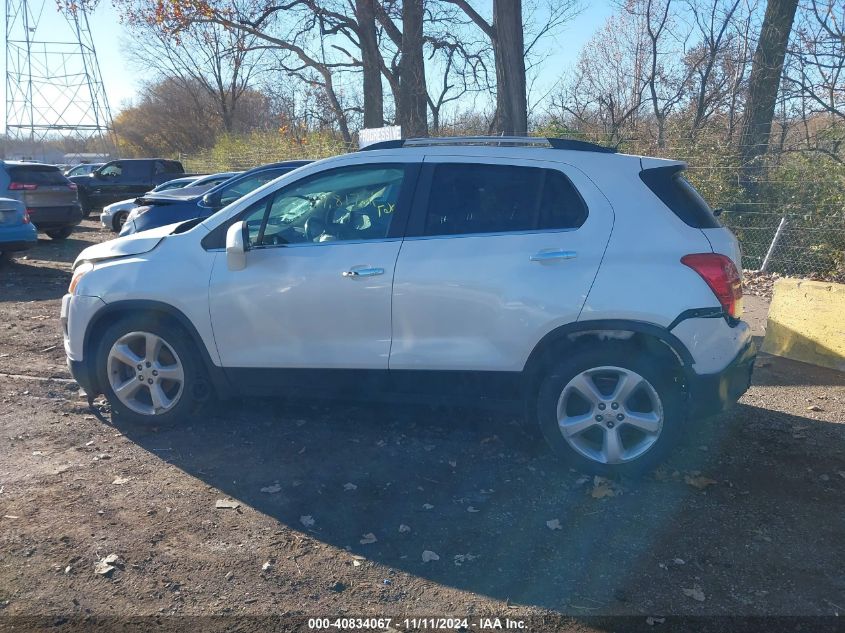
{"type": "Point", "coordinates": [331, 510]}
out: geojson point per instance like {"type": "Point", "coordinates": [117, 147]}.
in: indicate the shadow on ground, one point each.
{"type": "Point", "coordinates": [478, 491]}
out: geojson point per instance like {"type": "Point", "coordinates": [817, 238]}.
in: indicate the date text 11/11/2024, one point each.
{"type": "Point", "coordinates": [418, 623]}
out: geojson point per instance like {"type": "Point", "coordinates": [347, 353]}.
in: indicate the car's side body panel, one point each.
{"type": "Point", "coordinates": [479, 302]}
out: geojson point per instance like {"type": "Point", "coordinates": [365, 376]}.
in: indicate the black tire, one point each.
{"type": "Point", "coordinates": [662, 377]}
{"type": "Point", "coordinates": [60, 234]}
{"type": "Point", "coordinates": [119, 220]}
{"type": "Point", "coordinates": [195, 388]}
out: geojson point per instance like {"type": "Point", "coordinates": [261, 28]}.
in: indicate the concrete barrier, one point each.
{"type": "Point", "coordinates": [807, 322]}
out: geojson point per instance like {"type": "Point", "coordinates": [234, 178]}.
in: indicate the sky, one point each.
{"type": "Point", "coordinates": [121, 80]}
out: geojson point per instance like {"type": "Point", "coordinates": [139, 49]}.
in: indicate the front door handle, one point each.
{"type": "Point", "coordinates": [363, 272]}
{"type": "Point", "coordinates": [551, 256]}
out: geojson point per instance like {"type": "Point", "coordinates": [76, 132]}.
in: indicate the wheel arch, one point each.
{"type": "Point", "coordinates": [648, 336]}
{"type": "Point", "coordinates": [164, 312]}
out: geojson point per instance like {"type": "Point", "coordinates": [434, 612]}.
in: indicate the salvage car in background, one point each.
{"type": "Point", "coordinates": [114, 215]}
{"type": "Point", "coordinates": [176, 206]}
{"type": "Point", "coordinates": [17, 233]}
{"type": "Point", "coordinates": [123, 179]}
{"type": "Point", "coordinates": [49, 198]}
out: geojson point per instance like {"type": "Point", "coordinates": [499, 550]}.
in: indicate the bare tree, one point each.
{"type": "Point", "coordinates": [214, 62]}
{"type": "Point", "coordinates": [413, 96]}
{"type": "Point", "coordinates": [765, 79]}
{"type": "Point", "coordinates": [815, 73]}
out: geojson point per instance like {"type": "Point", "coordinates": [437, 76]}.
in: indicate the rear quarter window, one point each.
{"type": "Point", "coordinates": [676, 192]}
{"type": "Point", "coordinates": [37, 175]}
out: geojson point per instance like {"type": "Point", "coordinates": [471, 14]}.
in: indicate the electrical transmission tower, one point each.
{"type": "Point", "coordinates": [54, 89]}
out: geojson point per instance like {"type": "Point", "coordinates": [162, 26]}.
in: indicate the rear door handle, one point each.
{"type": "Point", "coordinates": [363, 272]}
{"type": "Point", "coordinates": [551, 256]}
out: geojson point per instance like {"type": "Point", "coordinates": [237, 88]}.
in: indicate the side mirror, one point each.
{"type": "Point", "coordinates": [236, 246]}
{"type": "Point", "coordinates": [208, 200]}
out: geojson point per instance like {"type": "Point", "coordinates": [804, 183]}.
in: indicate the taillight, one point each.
{"type": "Point", "coordinates": [719, 272]}
{"type": "Point", "coordinates": [22, 186]}
{"type": "Point", "coordinates": [72, 186]}
{"type": "Point", "coordinates": [26, 217]}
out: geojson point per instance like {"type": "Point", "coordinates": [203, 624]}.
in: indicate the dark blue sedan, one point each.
{"type": "Point", "coordinates": [168, 207]}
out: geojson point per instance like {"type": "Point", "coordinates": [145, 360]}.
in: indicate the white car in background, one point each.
{"type": "Point", "coordinates": [595, 292]}
{"type": "Point", "coordinates": [114, 215]}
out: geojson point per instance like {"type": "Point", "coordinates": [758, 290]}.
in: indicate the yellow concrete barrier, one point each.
{"type": "Point", "coordinates": [807, 322]}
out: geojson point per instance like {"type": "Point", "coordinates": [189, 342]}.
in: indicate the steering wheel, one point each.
{"type": "Point", "coordinates": [314, 228]}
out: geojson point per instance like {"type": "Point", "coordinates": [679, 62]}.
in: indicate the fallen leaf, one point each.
{"type": "Point", "coordinates": [554, 524]}
{"type": "Point", "coordinates": [307, 520]}
{"type": "Point", "coordinates": [368, 538]}
{"type": "Point", "coordinates": [814, 407]}
{"type": "Point", "coordinates": [267, 566]}
{"type": "Point", "coordinates": [695, 593]}
{"type": "Point", "coordinates": [350, 486]}
{"type": "Point", "coordinates": [122, 480]}
{"type": "Point", "coordinates": [111, 559]}
{"type": "Point", "coordinates": [271, 490]}
{"type": "Point", "coordinates": [428, 556]}
{"type": "Point", "coordinates": [602, 488]}
{"type": "Point", "coordinates": [700, 481]}
{"type": "Point", "coordinates": [103, 569]}
{"type": "Point", "coordinates": [404, 528]}
{"type": "Point", "coordinates": [227, 504]}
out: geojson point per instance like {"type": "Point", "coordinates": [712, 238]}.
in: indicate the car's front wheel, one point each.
{"type": "Point", "coordinates": [149, 371]}
{"type": "Point", "coordinates": [611, 409]}
{"type": "Point", "coordinates": [119, 220]}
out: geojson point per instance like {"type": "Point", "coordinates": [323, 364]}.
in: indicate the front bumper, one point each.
{"type": "Point", "coordinates": [710, 394]}
{"type": "Point", "coordinates": [76, 313]}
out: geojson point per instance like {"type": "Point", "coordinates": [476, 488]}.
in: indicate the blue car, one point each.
{"type": "Point", "coordinates": [168, 207]}
{"type": "Point", "coordinates": [17, 233]}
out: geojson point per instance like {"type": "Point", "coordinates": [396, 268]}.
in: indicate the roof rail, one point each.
{"type": "Point", "coordinates": [494, 141]}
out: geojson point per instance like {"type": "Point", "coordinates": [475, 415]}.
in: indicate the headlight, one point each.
{"type": "Point", "coordinates": [78, 272]}
{"type": "Point", "coordinates": [137, 212]}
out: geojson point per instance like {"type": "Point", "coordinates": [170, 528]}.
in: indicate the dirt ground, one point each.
{"type": "Point", "coordinates": [337, 505]}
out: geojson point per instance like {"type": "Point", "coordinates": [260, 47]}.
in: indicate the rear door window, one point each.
{"type": "Point", "coordinates": [468, 199]}
{"type": "Point", "coordinates": [37, 175]}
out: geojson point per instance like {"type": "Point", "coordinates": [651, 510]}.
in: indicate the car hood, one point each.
{"type": "Point", "coordinates": [124, 246]}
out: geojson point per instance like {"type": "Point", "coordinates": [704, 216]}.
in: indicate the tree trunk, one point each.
{"type": "Point", "coordinates": [509, 52]}
{"type": "Point", "coordinates": [370, 57]}
{"type": "Point", "coordinates": [412, 88]}
{"type": "Point", "coordinates": [764, 81]}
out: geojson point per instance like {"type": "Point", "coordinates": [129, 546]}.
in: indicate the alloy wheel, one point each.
{"type": "Point", "coordinates": [145, 373]}
{"type": "Point", "coordinates": [610, 415]}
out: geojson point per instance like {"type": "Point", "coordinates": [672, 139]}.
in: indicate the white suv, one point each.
{"type": "Point", "coordinates": [595, 290]}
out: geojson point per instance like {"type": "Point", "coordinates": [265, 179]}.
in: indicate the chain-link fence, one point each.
{"type": "Point", "coordinates": [791, 221]}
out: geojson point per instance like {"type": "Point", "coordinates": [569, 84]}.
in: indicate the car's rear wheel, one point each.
{"type": "Point", "coordinates": [611, 410]}
{"type": "Point", "coordinates": [149, 371]}
{"type": "Point", "coordinates": [60, 234]}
